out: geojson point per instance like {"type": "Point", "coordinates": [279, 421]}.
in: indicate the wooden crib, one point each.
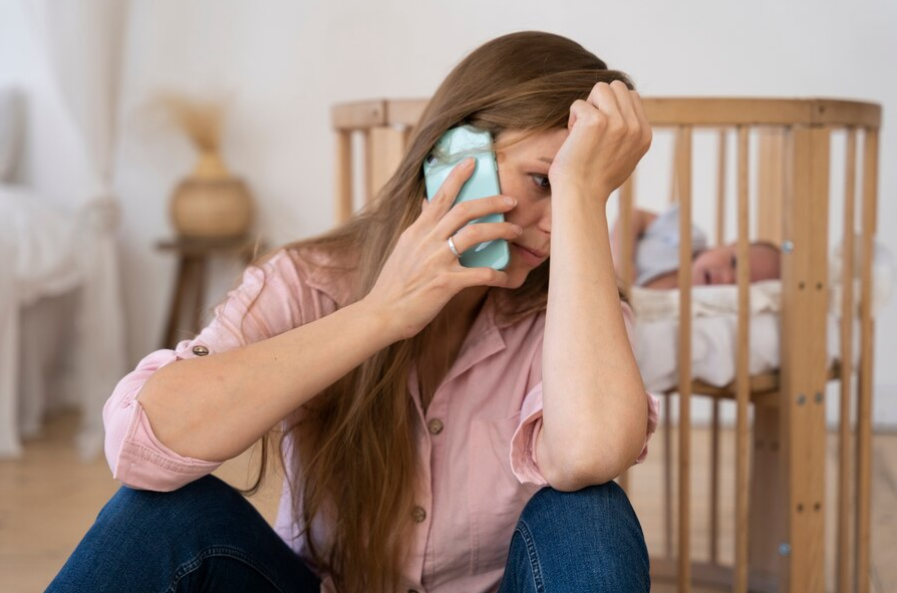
{"type": "Point", "coordinates": [780, 537]}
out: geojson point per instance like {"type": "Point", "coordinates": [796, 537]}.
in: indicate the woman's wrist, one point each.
{"type": "Point", "coordinates": [571, 192]}
{"type": "Point", "coordinates": [380, 321]}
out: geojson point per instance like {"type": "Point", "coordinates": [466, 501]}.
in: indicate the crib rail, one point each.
{"type": "Point", "coordinates": [780, 457]}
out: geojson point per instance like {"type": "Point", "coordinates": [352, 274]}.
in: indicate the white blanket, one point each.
{"type": "Point", "coordinates": [713, 348]}
{"type": "Point", "coordinates": [715, 323]}
{"type": "Point", "coordinates": [766, 297]}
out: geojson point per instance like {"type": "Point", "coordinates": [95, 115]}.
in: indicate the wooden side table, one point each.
{"type": "Point", "coordinates": [189, 293]}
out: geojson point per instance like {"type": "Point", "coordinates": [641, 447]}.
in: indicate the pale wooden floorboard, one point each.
{"type": "Point", "coordinates": [48, 500]}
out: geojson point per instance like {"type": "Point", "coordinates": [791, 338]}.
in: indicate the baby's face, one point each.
{"type": "Point", "coordinates": [718, 265]}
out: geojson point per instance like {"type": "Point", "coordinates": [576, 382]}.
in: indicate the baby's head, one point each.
{"type": "Point", "coordinates": [718, 264]}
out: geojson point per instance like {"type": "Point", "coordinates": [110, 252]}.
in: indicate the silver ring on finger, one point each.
{"type": "Point", "coordinates": [451, 245]}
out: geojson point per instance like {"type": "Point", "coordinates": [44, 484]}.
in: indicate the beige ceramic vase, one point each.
{"type": "Point", "coordinates": [211, 203]}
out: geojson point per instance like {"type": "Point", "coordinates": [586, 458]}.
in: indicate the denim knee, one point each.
{"type": "Point", "coordinates": [588, 540]}
{"type": "Point", "coordinates": [133, 509]}
{"type": "Point", "coordinates": [190, 539]}
{"type": "Point", "coordinates": [607, 500]}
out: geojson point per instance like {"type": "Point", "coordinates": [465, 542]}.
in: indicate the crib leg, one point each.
{"type": "Point", "coordinates": [714, 483]}
{"type": "Point", "coordinates": [767, 509]}
{"type": "Point", "coordinates": [804, 357]}
{"type": "Point", "coordinates": [668, 473]}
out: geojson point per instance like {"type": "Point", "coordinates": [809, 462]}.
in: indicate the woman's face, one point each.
{"type": "Point", "coordinates": [523, 174]}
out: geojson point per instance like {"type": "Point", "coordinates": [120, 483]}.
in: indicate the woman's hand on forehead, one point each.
{"type": "Point", "coordinates": [609, 134]}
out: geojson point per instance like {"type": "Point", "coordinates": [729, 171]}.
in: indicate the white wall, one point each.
{"type": "Point", "coordinates": [284, 63]}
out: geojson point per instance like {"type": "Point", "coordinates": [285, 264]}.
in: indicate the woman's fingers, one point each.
{"type": "Point", "coordinates": [605, 100]}
{"type": "Point", "coordinates": [482, 232]}
{"type": "Point", "coordinates": [461, 214]}
{"type": "Point", "coordinates": [622, 109]}
{"type": "Point", "coordinates": [581, 112]}
{"type": "Point", "coordinates": [469, 277]}
{"type": "Point", "coordinates": [616, 102]}
{"type": "Point", "coordinates": [625, 105]}
{"type": "Point", "coordinates": [644, 124]}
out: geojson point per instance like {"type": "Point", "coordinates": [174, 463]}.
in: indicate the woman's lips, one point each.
{"type": "Point", "coordinates": [534, 257]}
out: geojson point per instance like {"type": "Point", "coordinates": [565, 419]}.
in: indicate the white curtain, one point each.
{"type": "Point", "coordinates": [83, 41]}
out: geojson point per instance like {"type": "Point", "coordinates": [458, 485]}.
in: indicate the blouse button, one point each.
{"type": "Point", "coordinates": [435, 426]}
{"type": "Point", "coordinates": [200, 350]}
{"type": "Point", "coordinates": [418, 514]}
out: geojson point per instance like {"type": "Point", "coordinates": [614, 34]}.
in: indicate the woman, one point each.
{"type": "Point", "coordinates": [410, 389]}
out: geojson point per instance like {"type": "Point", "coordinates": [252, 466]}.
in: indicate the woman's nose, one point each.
{"type": "Point", "coordinates": [544, 222]}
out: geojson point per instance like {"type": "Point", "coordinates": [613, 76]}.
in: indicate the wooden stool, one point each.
{"type": "Point", "coordinates": [189, 293]}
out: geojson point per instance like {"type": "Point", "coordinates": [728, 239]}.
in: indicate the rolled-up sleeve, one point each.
{"type": "Point", "coordinates": [524, 461]}
{"type": "Point", "coordinates": [271, 299]}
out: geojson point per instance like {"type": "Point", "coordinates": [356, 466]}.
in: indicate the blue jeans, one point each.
{"type": "Point", "coordinates": [207, 537]}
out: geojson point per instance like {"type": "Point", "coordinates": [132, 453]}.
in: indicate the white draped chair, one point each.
{"type": "Point", "coordinates": [83, 43]}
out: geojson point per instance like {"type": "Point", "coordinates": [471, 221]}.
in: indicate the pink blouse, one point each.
{"type": "Point", "coordinates": [476, 441]}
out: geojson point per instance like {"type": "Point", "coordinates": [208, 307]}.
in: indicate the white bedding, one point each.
{"type": "Point", "coordinates": [713, 348]}
{"type": "Point", "coordinates": [715, 323]}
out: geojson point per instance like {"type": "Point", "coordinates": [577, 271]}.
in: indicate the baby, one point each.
{"type": "Point", "coordinates": [656, 254]}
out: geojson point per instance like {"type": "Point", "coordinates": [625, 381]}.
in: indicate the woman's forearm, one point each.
{"type": "Point", "coordinates": [594, 400]}
{"type": "Point", "coordinates": [215, 407]}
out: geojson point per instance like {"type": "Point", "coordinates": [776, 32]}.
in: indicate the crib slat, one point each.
{"type": "Point", "coordinates": [770, 184]}
{"type": "Point", "coordinates": [714, 418]}
{"type": "Point", "coordinates": [685, 255]}
{"type": "Point", "coordinates": [387, 150]}
{"type": "Point", "coordinates": [674, 173]}
{"type": "Point", "coordinates": [721, 188]}
{"type": "Point", "coordinates": [742, 378]}
{"type": "Point", "coordinates": [847, 316]}
{"type": "Point", "coordinates": [714, 482]}
{"type": "Point", "coordinates": [343, 176]}
{"type": "Point", "coordinates": [368, 165]}
{"type": "Point", "coordinates": [867, 328]}
{"type": "Point", "coordinates": [668, 473]}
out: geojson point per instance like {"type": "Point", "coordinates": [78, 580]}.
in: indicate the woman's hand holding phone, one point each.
{"type": "Point", "coordinates": [609, 134]}
{"type": "Point", "coordinates": [422, 274]}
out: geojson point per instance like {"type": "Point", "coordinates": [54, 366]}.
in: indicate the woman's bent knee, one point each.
{"type": "Point", "coordinates": [605, 501]}
{"type": "Point", "coordinates": [588, 538]}
{"type": "Point", "coordinates": [134, 509]}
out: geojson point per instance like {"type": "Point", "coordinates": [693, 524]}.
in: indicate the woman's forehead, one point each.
{"type": "Point", "coordinates": [529, 144]}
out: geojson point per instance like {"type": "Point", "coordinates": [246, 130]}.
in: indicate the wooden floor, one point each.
{"type": "Point", "coordinates": [48, 499]}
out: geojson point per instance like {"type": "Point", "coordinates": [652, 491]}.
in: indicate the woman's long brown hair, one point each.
{"type": "Point", "coordinates": [354, 444]}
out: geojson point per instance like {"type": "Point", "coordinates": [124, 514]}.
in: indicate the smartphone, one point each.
{"type": "Point", "coordinates": [453, 147]}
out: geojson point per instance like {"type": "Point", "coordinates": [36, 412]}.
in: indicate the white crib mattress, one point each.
{"type": "Point", "coordinates": [713, 348]}
{"type": "Point", "coordinates": [715, 323]}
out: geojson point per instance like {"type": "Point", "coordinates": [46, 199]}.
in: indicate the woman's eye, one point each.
{"type": "Point", "coordinates": [541, 181]}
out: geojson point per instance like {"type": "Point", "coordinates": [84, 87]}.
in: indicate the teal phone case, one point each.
{"type": "Point", "coordinates": [453, 147]}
